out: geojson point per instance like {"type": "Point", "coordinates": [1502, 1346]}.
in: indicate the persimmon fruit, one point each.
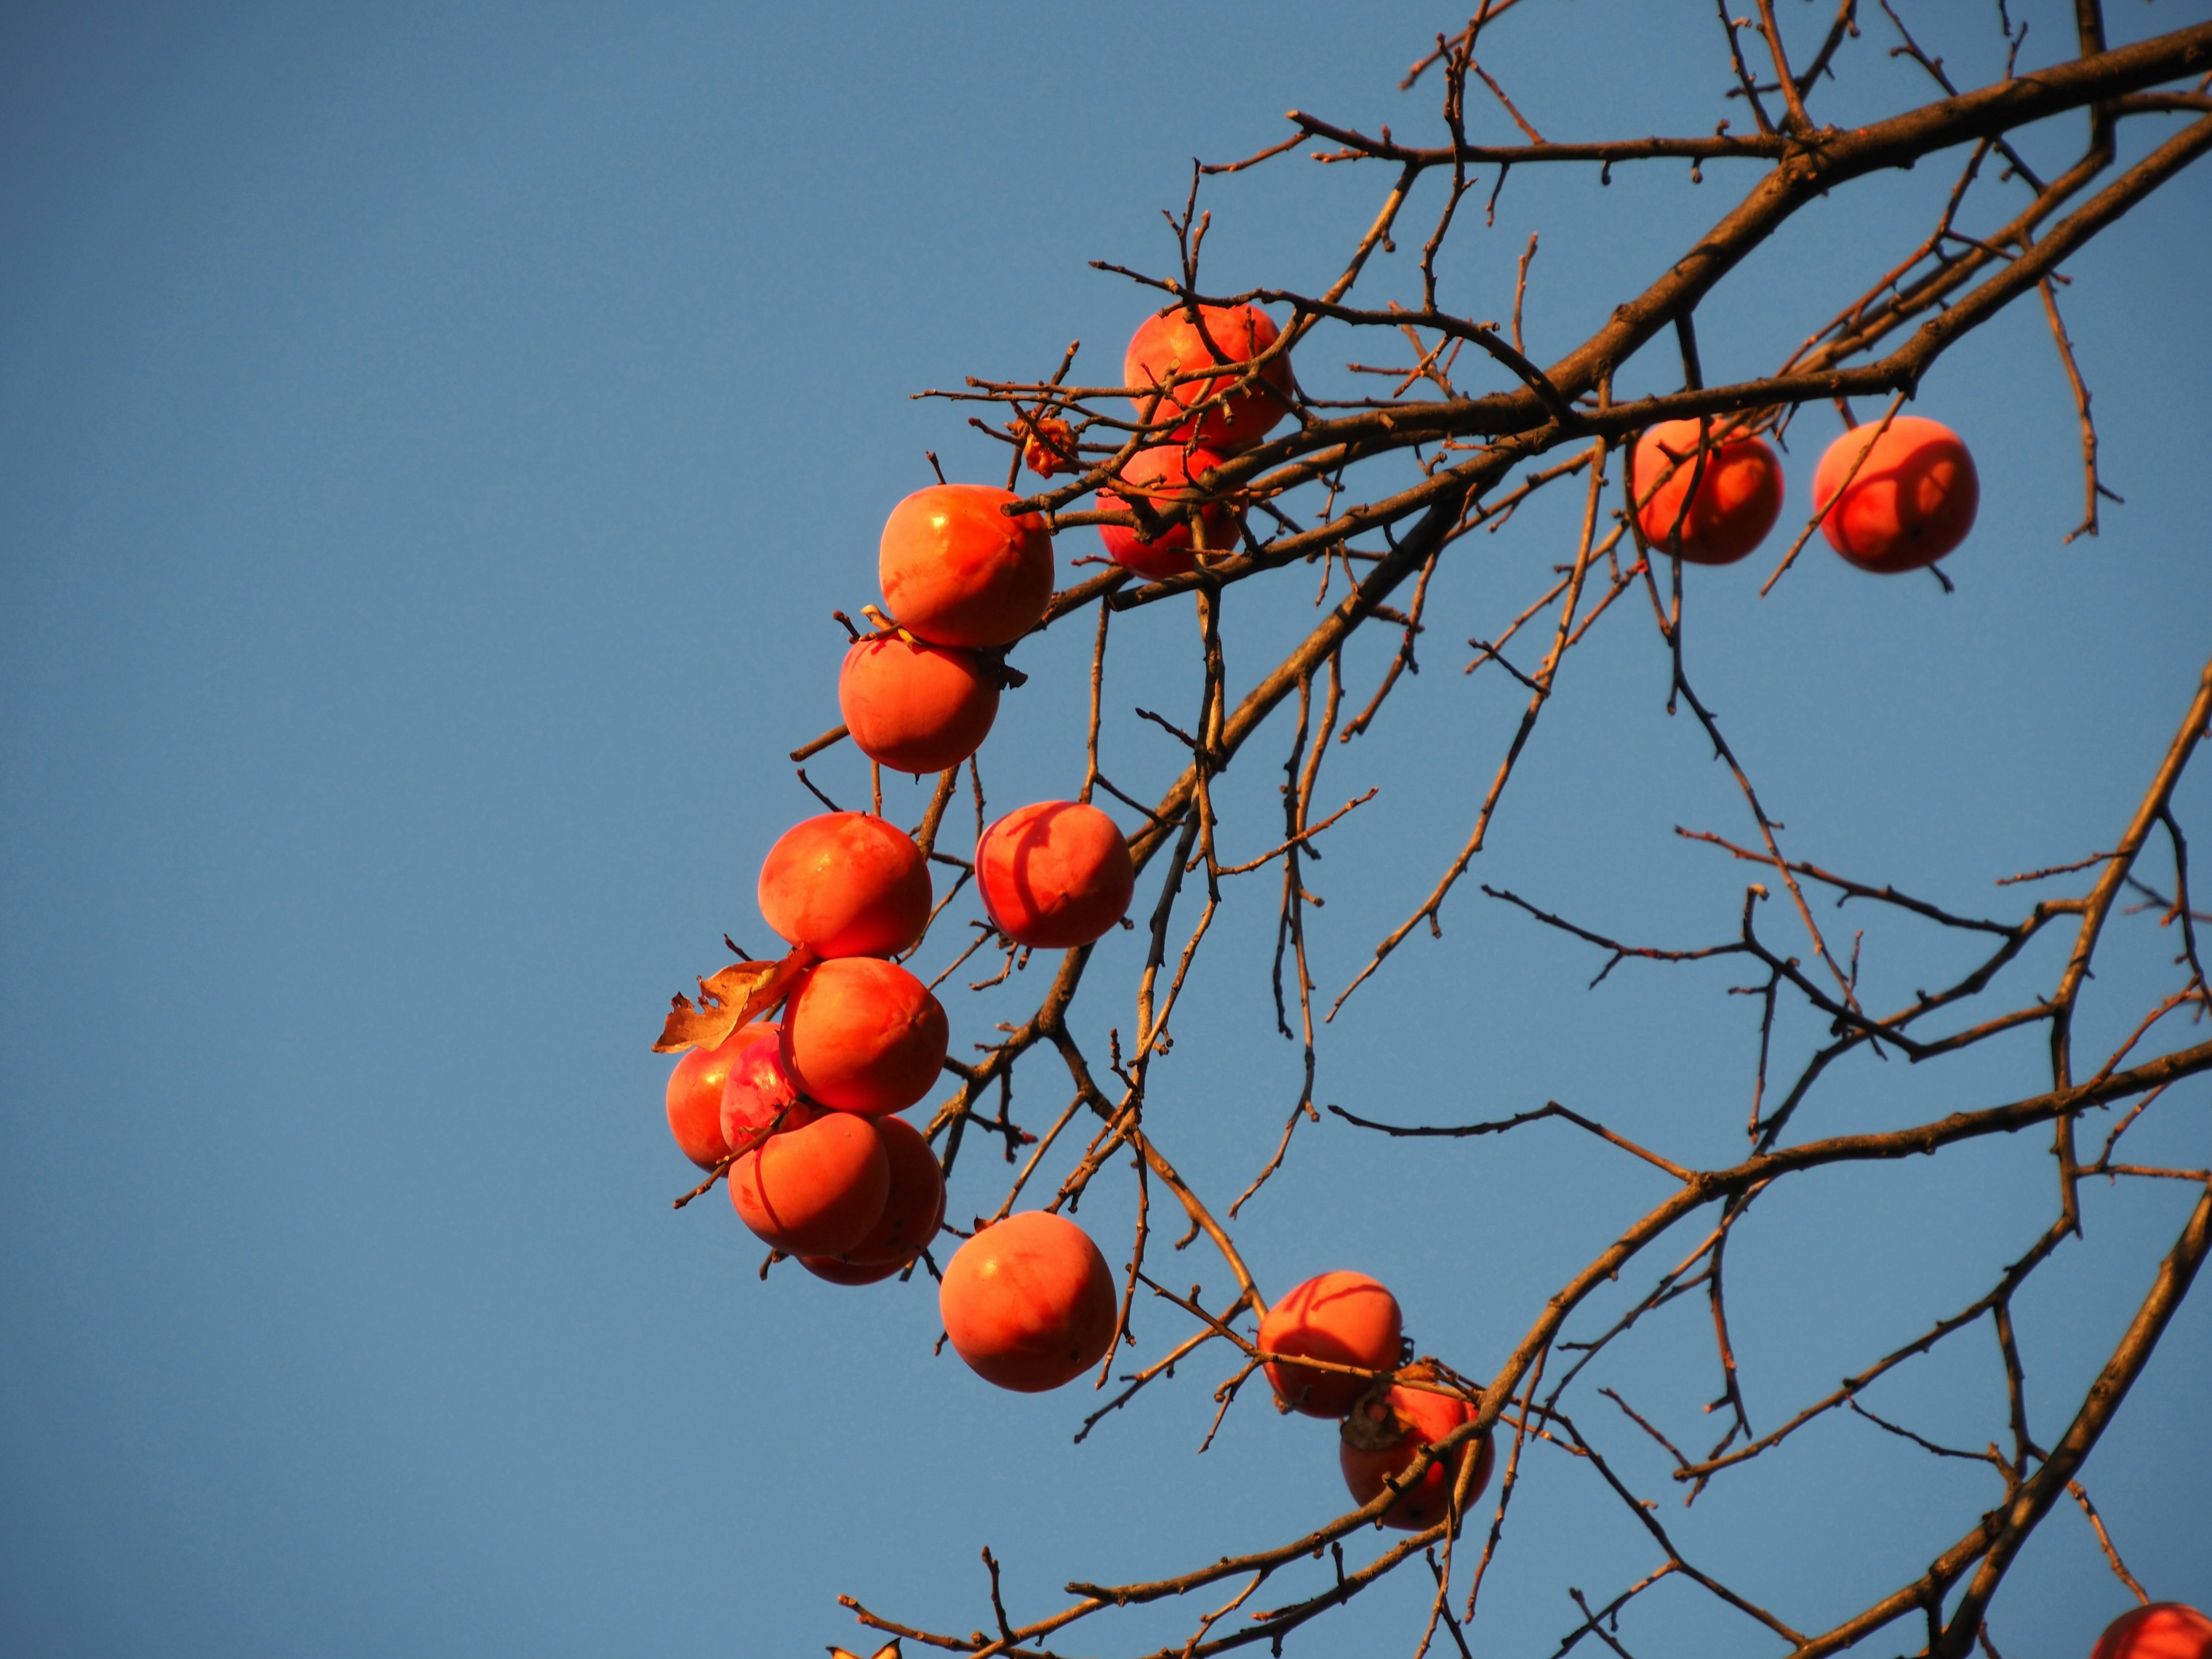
{"type": "Point", "coordinates": [695, 1095]}
{"type": "Point", "coordinates": [1160, 477]}
{"type": "Point", "coordinates": [1739, 494]}
{"type": "Point", "coordinates": [758, 1094]}
{"type": "Point", "coordinates": [838, 1270]}
{"type": "Point", "coordinates": [956, 570]}
{"type": "Point", "coordinates": [1029, 1303]}
{"type": "Point", "coordinates": [916, 707]}
{"type": "Point", "coordinates": [846, 885]}
{"type": "Point", "coordinates": [912, 1211]}
{"type": "Point", "coordinates": [1912, 500]}
{"type": "Point", "coordinates": [1345, 1318]}
{"type": "Point", "coordinates": [1054, 874]}
{"type": "Point", "coordinates": [863, 1036]}
{"type": "Point", "coordinates": [1386, 1430]}
{"type": "Point", "coordinates": [2163, 1630]}
{"type": "Point", "coordinates": [1169, 344]}
{"type": "Point", "coordinates": [815, 1190]}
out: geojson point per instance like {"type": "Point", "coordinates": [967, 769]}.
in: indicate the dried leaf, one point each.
{"type": "Point", "coordinates": [727, 1000]}
{"type": "Point", "coordinates": [1047, 445]}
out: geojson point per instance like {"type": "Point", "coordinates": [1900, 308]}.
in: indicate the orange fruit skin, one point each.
{"type": "Point", "coordinates": [758, 1092]}
{"type": "Point", "coordinates": [863, 1036]}
{"type": "Point", "coordinates": [1739, 493]}
{"type": "Point", "coordinates": [910, 1219]}
{"type": "Point", "coordinates": [2164, 1629]}
{"type": "Point", "coordinates": [838, 1272]}
{"type": "Point", "coordinates": [846, 885]}
{"type": "Point", "coordinates": [695, 1096]}
{"type": "Point", "coordinates": [1150, 472]}
{"type": "Point", "coordinates": [1029, 1303]}
{"type": "Point", "coordinates": [1055, 874]}
{"type": "Point", "coordinates": [1345, 1318]}
{"type": "Point", "coordinates": [914, 1206]}
{"type": "Point", "coordinates": [916, 707]}
{"type": "Point", "coordinates": [1426, 1418]}
{"type": "Point", "coordinates": [1912, 501]}
{"type": "Point", "coordinates": [958, 571]}
{"type": "Point", "coordinates": [815, 1190]}
{"type": "Point", "coordinates": [1168, 344]}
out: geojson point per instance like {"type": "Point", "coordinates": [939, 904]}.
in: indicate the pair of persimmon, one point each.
{"type": "Point", "coordinates": [1165, 350]}
{"type": "Point", "coordinates": [964, 579]}
{"type": "Point", "coordinates": [1890, 499]}
{"type": "Point", "coordinates": [1348, 1319]}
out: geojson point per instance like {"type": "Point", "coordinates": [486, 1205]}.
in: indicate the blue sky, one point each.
{"type": "Point", "coordinates": [432, 440]}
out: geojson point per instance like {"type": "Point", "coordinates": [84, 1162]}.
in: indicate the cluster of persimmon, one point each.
{"type": "Point", "coordinates": [1890, 498]}
{"type": "Point", "coordinates": [802, 1111]}
{"type": "Point", "coordinates": [1336, 1348]}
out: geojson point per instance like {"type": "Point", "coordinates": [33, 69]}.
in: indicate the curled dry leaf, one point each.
{"type": "Point", "coordinates": [740, 993]}
{"type": "Point", "coordinates": [1047, 445]}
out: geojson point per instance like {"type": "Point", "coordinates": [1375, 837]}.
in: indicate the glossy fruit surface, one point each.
{"type": "Point", "coordinates": [1347, 1318]}
{"type": "Point", "coordinates": [1159, 476]}
{"type": "Point", "coordinates": [695, 1096]}
{"type": "Point", "coordinates": [1171, 344]}
{"type": "Point", "coordinates": [958, 571]}
{"type": "Point", "coordinates": [1387, 1431]}
{"type": "Point", "coordinates": [758, 1094]}
{"type": "Point", "coordinates": [1739, 494]}
{"type": "Point", "coordinates": [916, 707]}
{"type": "Point", "coordinates": [1912, 500]}
{"type": "Point", "coordinates": [2164, 1629]}
{"type": "Point", "coordinates": [1029, 1303]}
{"type": "Point", "coordinates": [1054, 874]}
{"type": "Point", "coordinates": [914, 1206]}
{"type": "Point", "coordinates": [838, 1272]}
{"type": "Point", "coordinates": [815, 1190]}
{"type": "Point", "coordinates": [846, 885]}
{"type": "Point", "coordinates": [863, 1036]}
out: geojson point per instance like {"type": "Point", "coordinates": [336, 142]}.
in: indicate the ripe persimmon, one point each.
{"type": "Point", "coordinates": [863, 1036]}
{"type": "Point", "coordinates": [958, 571]}
{"type": "Point", "coordinates": [815, 1190]}
{"type": "Point", "coordinates": [837, 1271]}
{"type": "Point", "coordinates": [695, 1095]}
{"type": "Point", "coordinates": [1912, 500]}
{"type": "Point", "coordinates": [911, 1214]}
{"type": "Point", "coordinates": [758, 1093]}
{"type": "Point", "coordinates": [1028, 1302]}
{"type": "Point", "coordinates": [1388, 1429]}
{"type": "Point", "coordinates": [1738, 499]}
{"type": "Point", "coordinates": [1170, 344]}
{"type": "Point", "coordinates": [916, 707]}
{"type": "Point", "coordinates": [1159, 476]}
{"type": "Point", "coordinates": [846, 885]}
{"type": "Point", "coordinates": [1054, 874]}
{"type": "Point", "coordinates": [2162, 1630]}
{"type": "Point", "coordinates": [1345, 1318]}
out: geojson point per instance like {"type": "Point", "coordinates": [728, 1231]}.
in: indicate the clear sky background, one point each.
{"type": "Point", "coordinates": [432, 440]}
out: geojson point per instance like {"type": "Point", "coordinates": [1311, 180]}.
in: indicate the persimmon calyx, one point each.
{"type": "Point", "coordinates": [1373, 1424]}
{"type": "Point", "coordinates": [995, 666]}
{"type": "Point", "coordinates": [740, 992]}
{"type": "Point", "coordinates": [991, 658]}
